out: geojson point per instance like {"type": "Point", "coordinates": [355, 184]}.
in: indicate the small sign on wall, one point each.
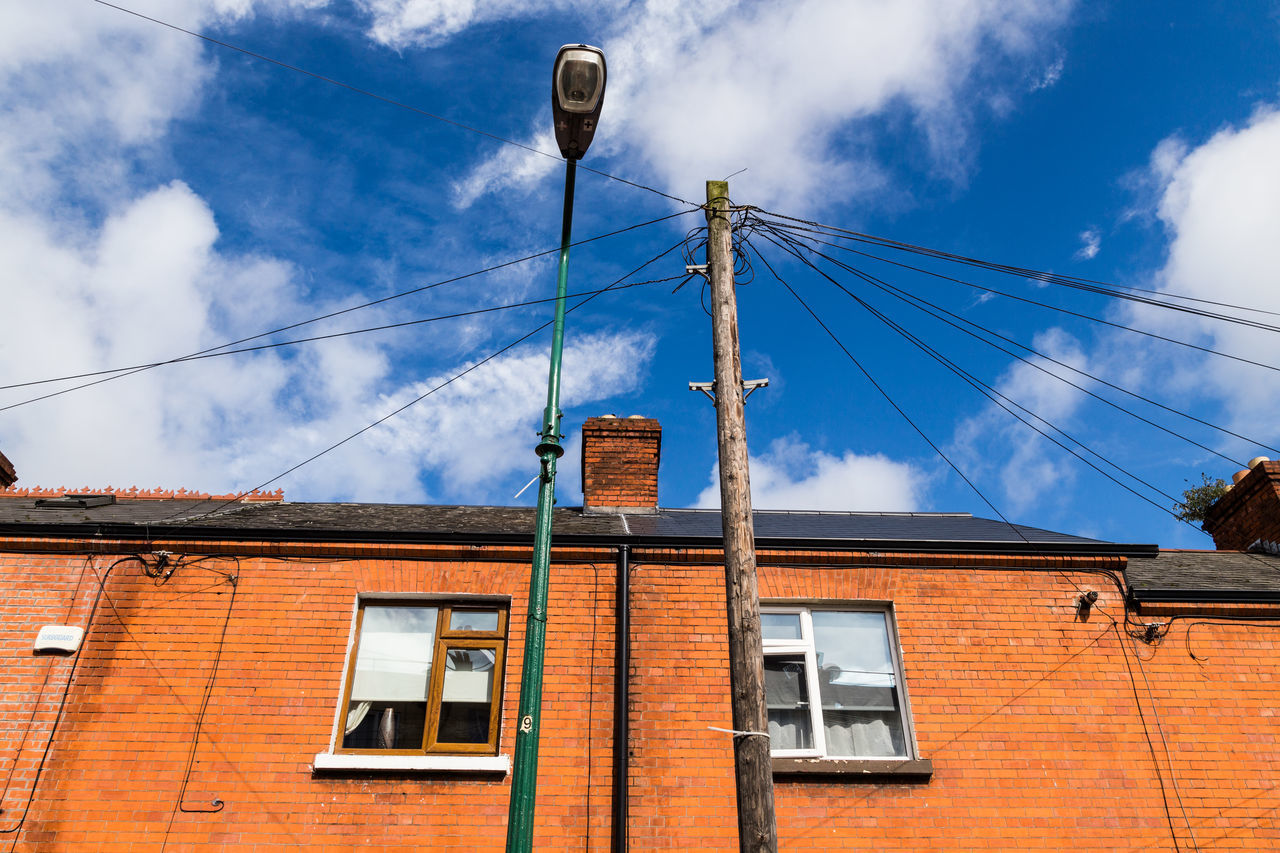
{"type": "Point", "coordinates": [59, 638]}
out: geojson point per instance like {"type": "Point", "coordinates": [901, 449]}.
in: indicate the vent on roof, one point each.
{"type": "Point", "coordinates": [73, 501]}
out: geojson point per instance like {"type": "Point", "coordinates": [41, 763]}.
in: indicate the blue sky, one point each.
{"type": "Point", "coordinates": [160, 195]}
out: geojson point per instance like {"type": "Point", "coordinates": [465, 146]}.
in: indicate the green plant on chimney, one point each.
{"type": "Point", "coordinates": [1197, 500]}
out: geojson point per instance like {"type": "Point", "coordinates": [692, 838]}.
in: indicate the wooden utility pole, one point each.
{"type": "Point", "coordinates": [753, 771]}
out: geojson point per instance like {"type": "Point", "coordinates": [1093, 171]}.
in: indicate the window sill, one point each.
{"type": "Point", "coordinates": [329, 762]}
{"type": "Point", "coordinates": [855, 769]}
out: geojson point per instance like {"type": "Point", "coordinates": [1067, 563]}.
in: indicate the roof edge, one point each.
{"type": "Point", "coordinates": [251, 534]}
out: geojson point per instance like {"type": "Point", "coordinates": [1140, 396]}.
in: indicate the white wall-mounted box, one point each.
{"type": "Point", "coordinates": [59, 638]}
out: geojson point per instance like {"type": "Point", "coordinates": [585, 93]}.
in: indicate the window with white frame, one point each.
{"type": "Point", "coordinates": [833, 683]}
{"type": "Point", "coordinates": [424, 678]}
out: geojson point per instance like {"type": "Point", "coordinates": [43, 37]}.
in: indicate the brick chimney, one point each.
{"type": "Point", "coordinates": [8, 476]}
{"type": "Point", "coordinates": [1249, 511]}
{"type": "Point", "coordinates": [620, 464]}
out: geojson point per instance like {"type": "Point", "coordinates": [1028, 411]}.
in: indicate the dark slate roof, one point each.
{"type": "Point", "coordinates": [1232, 576]}
{"type": "Point", "coordinates": [847, 526]}
{"type": "Point", "coordinates": [352, 521]}
{"type": "Point", "coordinates": [143, 512]}
{"type": "Point", "coordinates": [410, 518]}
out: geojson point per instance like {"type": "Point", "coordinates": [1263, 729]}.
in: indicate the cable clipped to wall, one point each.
{"type": "Point", "coordinates": [62, 701]}
{"type": "Point", "coordinates": [215, 804]}
{"type": "Point", "coordinates": [160, 566]}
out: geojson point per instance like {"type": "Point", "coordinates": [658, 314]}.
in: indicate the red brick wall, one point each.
{"type": "Point", "coordinates": [117, 763]}
{"type": "Point", "coordinates": [1028, 714]}
{"type": "Point", "coordinates": [620, 463]}
{"type": "Point", "coordinates": [1249, 512]}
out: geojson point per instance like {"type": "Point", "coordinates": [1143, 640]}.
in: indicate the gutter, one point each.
{"type": "Point", "coordinates": [141, 532]}
{"type": "Point", "coordinates": [1204, 596]}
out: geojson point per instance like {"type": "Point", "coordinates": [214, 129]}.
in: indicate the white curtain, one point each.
{"type": "Point", "coordinates": [867, 737]}
{"type": "Point", "coordinates": [356, 715]}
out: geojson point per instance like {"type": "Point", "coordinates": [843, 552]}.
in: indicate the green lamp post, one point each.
{"type": "Point", "coordinates": [577, 93]}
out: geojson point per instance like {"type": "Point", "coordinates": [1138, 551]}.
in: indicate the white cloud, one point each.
{"type": "Point", "coordinates": [1050, 76]}
{"type": "Point", "coordinates": [147, 283]}
{"type": "Point", "coordinates": [423, 23]}
{"type": "Point", "coordinates": [106, 268]}
{"type": "Point", "coordinates": [992, 443]}
{"type": "Point", "coordinates": [1220, 205]}
{"type": "Point", "coordinates": [476, 433]}
{"type": "Point", "coordinates": [510, 168]}
{"type": "Point", "coordinates": [701, 90]}
{"type": "Point", "coordinates": [791, 475]}
{"type": "Point", "coordinates": [1090, 243]}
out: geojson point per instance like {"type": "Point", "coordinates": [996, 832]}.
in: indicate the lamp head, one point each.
{"type": "Point", "coordinates": [577, 93]}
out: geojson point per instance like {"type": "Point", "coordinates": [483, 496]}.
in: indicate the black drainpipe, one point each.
{"type": "Point", "coordinates": [621, 697]}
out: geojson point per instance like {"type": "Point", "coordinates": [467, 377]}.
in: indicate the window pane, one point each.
{"type": "Point", "coordinates": [780, 626]}
{"type": "Point", "coordinates": [393, 656]}
{"type": "Point", "coordinates": [860, 709]}
{"type": "Point", "coordinates": [385, 725]}
{"type": "Point", "coordinates": [473, 620]}
{"type": "Point", "coordinates": [786, 695]}
{"type": "Point", "coordinates": [467, 696]}
{"type": "Point", "coordinates": [863, 734]}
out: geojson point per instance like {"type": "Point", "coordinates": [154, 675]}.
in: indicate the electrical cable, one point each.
{"type": "Point", "coordinates": [899, 293]}
{"type": "Point", "coordinates": [887, 397]}
{"type": "Point", "coordinates": [1155, 761]}
{"type": "Point", "coordinates": [386, 100]}
{"type": "Point", "coordinates": [62, 703]}
{"type": "Point", "coordinates": [455, 377]}
{"type": "Point", "coordinates": [934, 310]}
{"type": "Point", "coordinates": [216, 805]}
{"type": "Point", "coordinates": [348, 310]}
{"type": "Point", "coordinates": [1077, 314]}
{"type": "Point", "coordinates": [35, 706]}
{"type": "Point", "coordinates": [348, 333]}
{"type": "Point", "coordinates": [1106, 288]}
{"type": "Point", "coordinates": [997, 397]}
{"type": "Point", "coordinates": [1168, 757]}
{"type": "Point", "coordinates": [1098, 288]}
{"type": "Point", "coordinates": [991, 393]}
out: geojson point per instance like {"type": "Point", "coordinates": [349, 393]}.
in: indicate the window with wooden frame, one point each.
{"type": "Point", "coordinates": [424, 678]}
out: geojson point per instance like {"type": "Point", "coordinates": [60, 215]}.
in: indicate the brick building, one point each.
{"type": "Point", "coordinates": [263, 675]}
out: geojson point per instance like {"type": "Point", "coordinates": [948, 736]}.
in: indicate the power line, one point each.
{"type": "Point", "coordinates": [386, 100]}
{"type": "Point", "coordinates": [1113, 291]}
{"type": "Point", "coordinates": [1107, 288]}
{"type": "Point", "coordinates": [934, 311]}
{"type": "Point", "coordinates": [206, 354]}
{"type": "Point", "coordinates": [885, 394]}
{"type": "Point", "coordinates": [129, 371]}
{"type": "Point", "coordinates": [1155, 761]}
{"type": "Point", "coordinates": [1067, 311]}
{"type": "Point", "coordinates": [1000, 400]}
{"type": "Point", "coordinates": [454, 378]}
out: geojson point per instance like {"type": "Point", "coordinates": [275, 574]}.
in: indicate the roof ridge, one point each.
{"type": "Point", "coordinates": [134, 493]}
{"type": "Point", "coordinates": [867, 513]}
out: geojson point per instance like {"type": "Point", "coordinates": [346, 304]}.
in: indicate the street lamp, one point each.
{"type": "Point", "coordinates": [577, 93]}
